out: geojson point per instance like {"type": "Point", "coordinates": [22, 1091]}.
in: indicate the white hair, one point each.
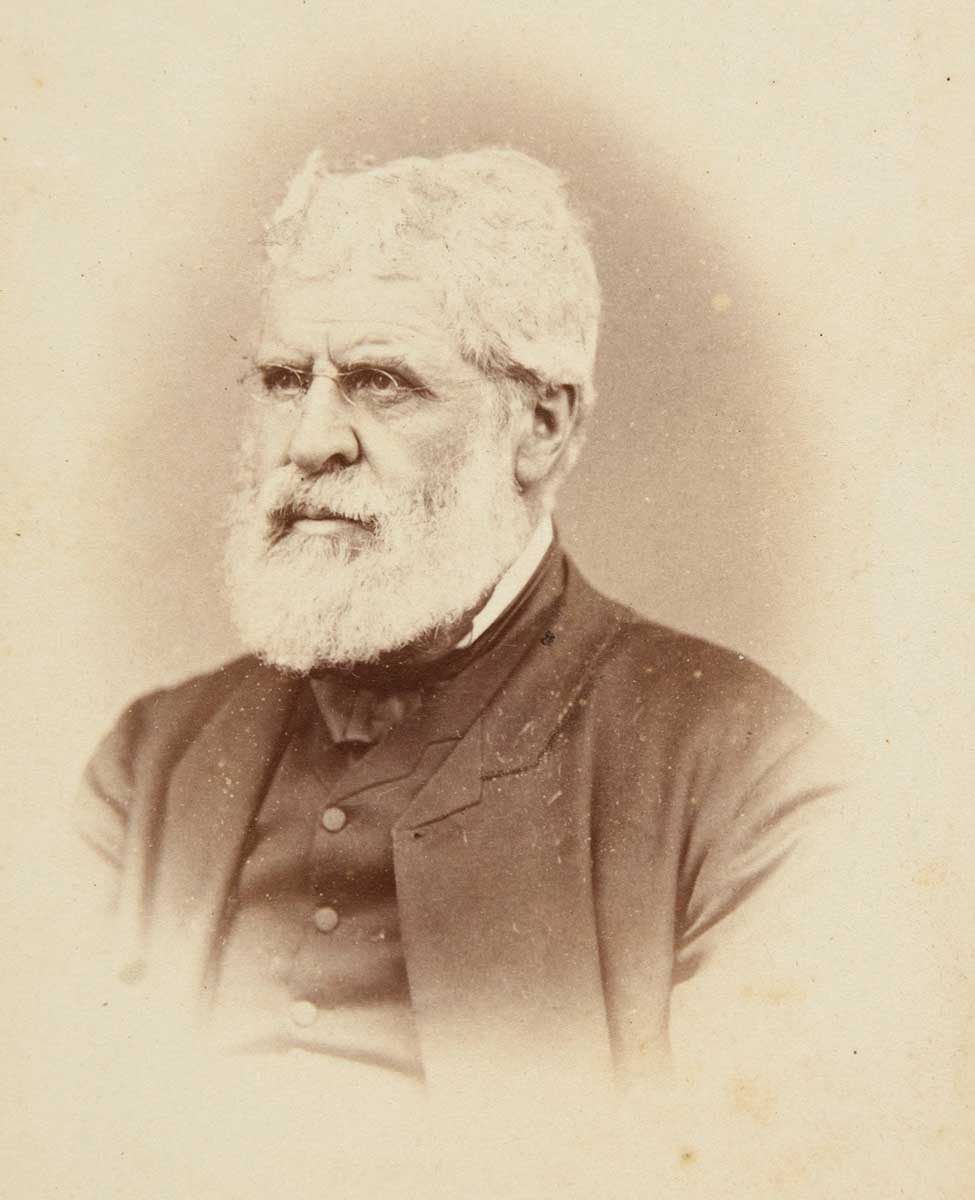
{"type": "Point", "coordinates": [492, 229]}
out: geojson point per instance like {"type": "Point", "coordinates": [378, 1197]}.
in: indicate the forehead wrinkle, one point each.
{"type": "Point", "coordinates": [323, 322]}
{"type": "Point", "coordinates": [373, 302]}
{"type": "Point", "coordinates": [412, 343]}
{"type": "Point", "coordinates": [379, 339]}
{"type": "Point", "coordinates": [272, 342]}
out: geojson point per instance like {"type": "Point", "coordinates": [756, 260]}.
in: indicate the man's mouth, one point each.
{"type": "Point", "coordinates": [318, 522]}
{"type": "Point", "coordinates": [324, 525]}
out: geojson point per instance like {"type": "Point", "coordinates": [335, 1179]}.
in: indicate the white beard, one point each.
{"type": "Point", "coordinates": [302, 601]}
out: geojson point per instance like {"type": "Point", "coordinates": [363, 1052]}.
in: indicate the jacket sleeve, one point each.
{"type": "Point", "coordinates": [763, 784]}
{"type": "Point", "coordinates": [787, 960]}
{"type": "Point", "coordinates": [794, 1005]}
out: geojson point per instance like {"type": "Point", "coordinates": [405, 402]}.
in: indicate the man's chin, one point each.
{"type": "Point", "coordinates": [342, 647]}
{"type": "Point", "coordinates": [329, 600]}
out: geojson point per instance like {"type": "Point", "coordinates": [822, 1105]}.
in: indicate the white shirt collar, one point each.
{"type": "Point", "coordinates": [511, 582]}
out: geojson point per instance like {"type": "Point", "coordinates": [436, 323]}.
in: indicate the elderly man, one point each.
{"type": "Point", "coordinates": [456, 815]}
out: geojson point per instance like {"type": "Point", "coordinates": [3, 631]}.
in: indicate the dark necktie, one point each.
{"type": "Point", "coordinates": [355, 713]}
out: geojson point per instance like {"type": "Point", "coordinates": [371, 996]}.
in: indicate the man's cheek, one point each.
{"type": "Point", "coordinates": [271, 441]}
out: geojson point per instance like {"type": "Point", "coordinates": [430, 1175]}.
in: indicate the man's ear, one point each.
{"type": "Point", "coordinates": [551, 421]}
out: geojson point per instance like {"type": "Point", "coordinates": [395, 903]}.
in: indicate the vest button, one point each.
{"type": "Point", "coordinates": [303, 1013]}
{"type": "Point", "coordinates": [326, 919]}
{"type": "Point", "coordinates": [333, 819]}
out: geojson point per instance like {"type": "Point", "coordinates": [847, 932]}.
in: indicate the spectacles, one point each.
{"type": "Point", "coordinates": [277, 383]}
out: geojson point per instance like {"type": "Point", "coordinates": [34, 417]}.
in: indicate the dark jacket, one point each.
{"type": "Point", "coordinates": [617, 797]}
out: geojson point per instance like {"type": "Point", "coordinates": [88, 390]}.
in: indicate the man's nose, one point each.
{"type": "Point", "coordinates": [324, 437]}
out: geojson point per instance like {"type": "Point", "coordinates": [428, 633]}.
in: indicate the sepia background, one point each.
{"type": "Point", "coordinates": [781, 207]}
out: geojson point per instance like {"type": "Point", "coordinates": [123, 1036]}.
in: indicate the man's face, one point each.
{"type": "Point", "coordinates": [379, 505]}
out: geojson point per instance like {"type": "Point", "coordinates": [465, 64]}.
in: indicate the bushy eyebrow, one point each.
{"type": "Point", "coordinates": [356, 355]}
{"type": "Point", "coordinates": [277, 355]}
{"type": "Point", "coordinates": [389, 349]}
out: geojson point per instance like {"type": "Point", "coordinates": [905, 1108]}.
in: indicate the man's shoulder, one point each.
{"type": "Point", "coordinates": [145, 743]}
{"type": "Point", "coordinates": [656, 654]}
{"type": "Point", "coordinates": [648, 657]}
{"type": "Point", "coordinates": [173, 715]}
{"type": "Point", "coordinates": [197, 694]}
{"type": "Point", "coordinates": [652, 664]}
{"type": "Point", "coordinates": [668, 713]}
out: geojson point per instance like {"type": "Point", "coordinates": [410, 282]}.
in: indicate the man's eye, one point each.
{"type": "Point", "coordinates": [283, 381]}
{"type": "Point", "coordinates": [371, 383]}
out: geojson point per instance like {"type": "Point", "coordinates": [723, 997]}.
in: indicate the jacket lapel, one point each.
{"type": "Point", "coordinates": [494, 882]}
